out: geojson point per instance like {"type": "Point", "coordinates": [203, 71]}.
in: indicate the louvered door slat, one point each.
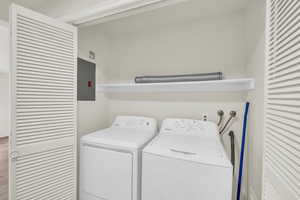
{"type": "Point", "coordinates": [284, 43]}
{"type": "Point", "coordinates": [44, 53]}
{"type": "Point", "coordinates": [47, 27]}
{"type": "Point", "coordinates": [281, 128]}
{"type": "Point", "coordinates": [285, 95]}
{"type": "Point", "coordinates": [36, 29]}
{"type": "Point", "coordinates": [41, 74]}
{"type": "Point", "coordinates": [28, 175]}
{"type": "Point", "coordinates": [44, 138]}
{"type": "Point", "coordinates": [288, 52]}
{"type": "Point", "coordinates": [281, 6]}
{"type": "Point", "coordinates": [285, 72]}
{"type": "Point", "coordinates": [24, 27]}
{"type": "Point", "coordinates": [281, 180]}
{"type": "Point", "coordinates": [43, 67]}
{"type": "Point", "coordinates": [41, 47]}
{"type": "Point", "coordinates": [286, 15]}
{"type": "Point", "coordinates": [56, 60]}
{"type": "Point", "coordinates": [34, 78]}
{"type": "Point", "coordinates": [43, 44]}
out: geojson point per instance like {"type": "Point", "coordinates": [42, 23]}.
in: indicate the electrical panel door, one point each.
{"type": "Point", "coordinates": [86, 80]}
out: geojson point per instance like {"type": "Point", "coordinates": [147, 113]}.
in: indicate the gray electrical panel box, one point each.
{"type": "Point", "coordinates": [86, 75]}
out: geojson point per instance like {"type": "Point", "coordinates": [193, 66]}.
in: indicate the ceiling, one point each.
{"type": "Point", "coordinates": [188, 11]}
{"type": "Point", "coordinates": [192, 8]}
{"type": "Point", "coordinates": [53, 8]}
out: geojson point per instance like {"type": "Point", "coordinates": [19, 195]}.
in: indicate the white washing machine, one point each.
{"type": "Point", "coordinates": [110, 159]}
{"type": "Point", "coordinates": [186, 161]}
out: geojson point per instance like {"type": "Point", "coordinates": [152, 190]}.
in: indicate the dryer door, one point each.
{"type": "Point", "coordinates": [103, 172]}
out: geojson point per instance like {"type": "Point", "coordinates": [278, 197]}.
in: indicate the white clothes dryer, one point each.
{"type": "Point", "coordinates": [110, 159]}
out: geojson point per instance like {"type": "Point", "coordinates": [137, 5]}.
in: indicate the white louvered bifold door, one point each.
{"type": "Point", "coordinates": [43, 98]}
{"type": "Point", "coordinates": [281, 180]}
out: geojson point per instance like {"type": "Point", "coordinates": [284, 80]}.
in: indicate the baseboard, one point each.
{"type": "Point", "coordinates": [252, 195]}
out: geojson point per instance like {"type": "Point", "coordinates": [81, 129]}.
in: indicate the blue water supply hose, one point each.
{"type": "Point", "coordinates": [240, 178]}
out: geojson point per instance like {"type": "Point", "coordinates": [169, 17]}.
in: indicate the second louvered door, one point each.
{"type": "Point", "coordinates": [43, 97]}
{"type": "Point", "coordinates": [281, 178]}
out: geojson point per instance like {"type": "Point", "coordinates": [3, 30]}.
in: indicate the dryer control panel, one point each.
{"type": "Point", "coordinates": [189, 126]}
{"type": "Point", "coordinates": [135, 122]}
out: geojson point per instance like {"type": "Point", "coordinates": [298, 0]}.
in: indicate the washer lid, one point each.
{"type": "Point", "coordinates": [131, 138]}
{"type": "Point", "coordinates": [191, 148]}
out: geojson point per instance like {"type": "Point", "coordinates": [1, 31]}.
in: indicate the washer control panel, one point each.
{"type": "Point", "coordinates": [188, 126]}
{"type": "Point", "coordinates": [135, 122]}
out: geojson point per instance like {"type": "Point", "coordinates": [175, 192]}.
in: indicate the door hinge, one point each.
{"type": "Point", "coordinates": [14, 155]}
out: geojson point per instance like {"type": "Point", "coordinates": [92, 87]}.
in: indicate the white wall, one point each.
{"type": "Point", "coordinates": [4, 9]}
{"type": "Point", "coordinates": [4, 47]}
{"type": "Point", "coordinates": [206, 45]}
{"type": "Point", "coordinates": [4, 79]}
{"type": "Point", "coordinates": [92, 115]}
{"type": "Point", "coordinates": [4, 105]}
{"type": "Point", "coordinates": [255, 18]}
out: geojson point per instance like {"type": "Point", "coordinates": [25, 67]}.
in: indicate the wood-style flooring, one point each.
{"type": "Point", "coordinates": [3, 168]}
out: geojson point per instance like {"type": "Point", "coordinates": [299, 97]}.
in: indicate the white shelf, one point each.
{"type": "Point", "coordinates": [230, 85]}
